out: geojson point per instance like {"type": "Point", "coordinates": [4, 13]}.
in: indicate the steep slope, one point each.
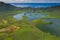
{"type": "Point", "coordinates": [6, 7]}
{"type": "Point", "coordinates": [7, 10]}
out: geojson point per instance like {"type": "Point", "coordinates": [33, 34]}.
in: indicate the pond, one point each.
{"type": "Point", "coordinates": [54, 27]}
{"type": "Point", "coordinates": [30, 15]}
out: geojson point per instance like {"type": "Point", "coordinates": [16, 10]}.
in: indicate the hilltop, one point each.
{"type": "Point", "coordinates": [6, 7]}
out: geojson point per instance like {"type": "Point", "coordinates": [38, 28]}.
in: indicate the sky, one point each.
{"type": "Point", "coordinates": [31, 1]}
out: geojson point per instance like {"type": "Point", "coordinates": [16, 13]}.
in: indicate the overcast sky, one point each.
{"type": "Point", "coordinates": [34, 1]}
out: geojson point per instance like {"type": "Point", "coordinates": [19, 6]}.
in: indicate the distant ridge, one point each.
{"type": "Point", "coordinates": [53, 8]}
{"type": "Point", "coordinates": [6, 7]}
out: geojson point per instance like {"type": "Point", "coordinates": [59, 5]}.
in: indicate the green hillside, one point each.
{"type": "Point", "coordinates": [27, 31]}
{"type": "Point", "coordinates": [34, 30]}
{"type": "Point", "coordinates": [7, 10]}
{"type": "Point", "coordinates": [53, 11]}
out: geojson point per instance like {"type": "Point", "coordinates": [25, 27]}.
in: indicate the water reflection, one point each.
{"type": "Point", "coordinates": [30, 15]}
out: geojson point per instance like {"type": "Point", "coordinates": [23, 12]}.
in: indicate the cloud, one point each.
{"type": "Point", "coordinates": [21, 5]}
{"type": "Point", "coordinates": [36, 1]}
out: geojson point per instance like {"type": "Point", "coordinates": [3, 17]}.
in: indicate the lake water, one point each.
{"type": "Point", "coordinates": [55, 26]}
{"type": "Point", "coordinates": [30, 15]}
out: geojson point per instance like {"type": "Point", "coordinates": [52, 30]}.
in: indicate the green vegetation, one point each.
{"type": "Point", "coordinates": [28, 30]}
{"type": "Point", "coordinates": [34, 30]}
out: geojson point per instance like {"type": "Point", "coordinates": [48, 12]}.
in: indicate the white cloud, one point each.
{"type": "Point", "coordinates": [36, 1]}
{"type": "Point", "coordinates": [21, 5]}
